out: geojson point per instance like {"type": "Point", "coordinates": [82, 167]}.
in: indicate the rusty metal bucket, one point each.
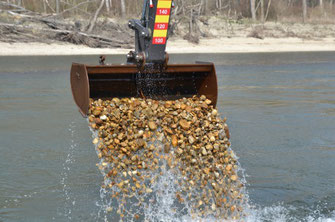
{"type": "Point", "coordinates": [174, 82]}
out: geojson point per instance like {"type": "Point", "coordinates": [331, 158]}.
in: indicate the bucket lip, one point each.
{"type": "Point", "coordinates": [133, 69]}
{"type": "Point", "coordinates": [199, 64]}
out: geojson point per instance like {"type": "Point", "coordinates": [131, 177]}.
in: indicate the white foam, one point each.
{"type": "Point", "coordinates": [279, 213]}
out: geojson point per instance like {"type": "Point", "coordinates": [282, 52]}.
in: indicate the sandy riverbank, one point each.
{"type": "Point", "coordinates": [222, 45]}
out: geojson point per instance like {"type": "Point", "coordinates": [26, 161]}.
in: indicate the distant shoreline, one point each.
{"type": "Point", "coordinates": [176, 46]}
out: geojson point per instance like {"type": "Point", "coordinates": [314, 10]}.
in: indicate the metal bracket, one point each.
{"type": "Point", "coordinates": [151, 34]}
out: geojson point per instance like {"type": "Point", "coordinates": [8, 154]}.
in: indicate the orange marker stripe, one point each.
{"type": "Point", "coordinates": [161, 22]}
{"type": "Point", "coordinates": [159, 40]}
{"type": "Point", "coordinates": [161, 26]}
{"type": "Point", "coordinates": [163, 11]}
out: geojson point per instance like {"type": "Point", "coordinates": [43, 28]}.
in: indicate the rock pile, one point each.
{"type": "Point", "coordinates": [140, 140]}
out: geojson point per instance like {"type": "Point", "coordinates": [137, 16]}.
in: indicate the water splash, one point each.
{"type": "Point", "coordinates": [160, 204]}
{"type": "Point", "coordinates": [281, 213]}
{"type": "Point", "coordinates": [69, 199]}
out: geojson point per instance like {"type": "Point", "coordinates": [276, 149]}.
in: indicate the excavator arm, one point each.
{"type": "Point", "coordinates": [151, 33]}
{"type": "Point", "coordinates": [147, 73]}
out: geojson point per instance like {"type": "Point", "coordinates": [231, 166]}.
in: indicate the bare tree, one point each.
{"type": "Point", "coordinates": [108, 5]}
{"type": "Point", "coordinates": [95, 17]}
{"type": "Point", "coordinates": [321, 6]}
{"type": "Point", "coordinates": [331, 6]}
{"type": "Point", "coordinates": [123, 8]}
{"type": "Point", "coordinates": [218, 4]}
{"type": "Point", "coordinates": [262, 10]}
{"type": "Point", "coordinates": [253, 9]}
{"type": "Point", "coordinates": [44, 6]}
{"type": "Point", "coordinates": [57, 6]}
{"type": "Point", "coordinates": [257, 10]}
{"type": "Point", "coordinates": [268, 9]}
{"type": "Point", "coordinates": [204, 5]}
{"type": "Point", "coordinates": [304, 10]}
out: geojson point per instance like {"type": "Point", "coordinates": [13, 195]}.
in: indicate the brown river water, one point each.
{"type": "Point", "coordinates": [280, 109]}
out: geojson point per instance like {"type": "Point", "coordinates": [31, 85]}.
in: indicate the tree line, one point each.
{"type": "Point", "coordinates": [257, 10]}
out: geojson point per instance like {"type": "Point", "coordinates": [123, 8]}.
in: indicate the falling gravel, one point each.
{"type": "Point", "coordinates": [166, 160]}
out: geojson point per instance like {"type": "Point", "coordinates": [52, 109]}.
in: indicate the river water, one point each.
{"type": "Point", "coordinates": [280, 109]}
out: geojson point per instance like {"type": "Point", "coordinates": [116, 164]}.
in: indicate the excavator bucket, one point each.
{"type": "Point", "coordinates": [174, 82]}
